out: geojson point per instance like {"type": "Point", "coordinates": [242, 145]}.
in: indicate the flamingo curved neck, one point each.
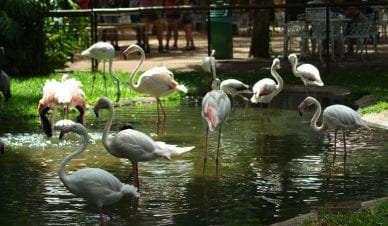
{"type": "Point", "coordinates": [105, 141]}
{"type": "Point", "coordinates": [294, 70]}
{"type": "Point", "coordinates": [64, 162]}
{"type": "Point", "coordinates": [279, 80]}
{"type": "Point", "coordinates": [314, 120]}
{"type": "Point", "coordinates": [111, 72]}
{"type": "Point", "coordinates": [132, 77]}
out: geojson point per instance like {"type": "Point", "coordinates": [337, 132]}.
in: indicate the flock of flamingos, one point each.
{"type": "Point", "coordinates": [101, 187]}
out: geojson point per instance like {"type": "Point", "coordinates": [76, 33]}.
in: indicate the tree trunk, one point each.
{"type": "Point", "coordinates": [260, 34]}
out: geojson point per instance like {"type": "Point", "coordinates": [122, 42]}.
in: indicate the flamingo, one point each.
{"type": "Point", "coordinates": [5, 84]}
{"type": "Point", "coordinates": [266, 89]}
{"type": "Point", "coordinates": [93, 184]}
{"type": "Point", "coordinates": [134, 145]}
{"type": "Point", "coordinates": [308, 73]}
{"type": "Point", "coordinates": [157, 81]}
{"type": "Point", "coordinates": [216, 107]}
{"type": "Point", "coordinates": [103, 51]}
{"type": "Point", "coordinates": [337, 117]}
{"type": "Point", "coordinates": [208, 63]}
{"type": "Point", "coordinates": [232, 87]}
{"type": "Point", "coordinates": [66, 93]}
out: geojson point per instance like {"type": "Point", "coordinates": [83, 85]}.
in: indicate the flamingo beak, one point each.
{"type": "Point", "coordinates": [96, 109]}
{"type": "Point", "coordinates": [301, 109]}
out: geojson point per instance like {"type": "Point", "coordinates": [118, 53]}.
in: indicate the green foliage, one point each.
{"type": "Point", "coordinates": [374, 216]}
{"type": "Point", "coordinates": [21, 33]}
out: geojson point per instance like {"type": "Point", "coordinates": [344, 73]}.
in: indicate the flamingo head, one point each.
{"type": "Point", "coordinates": [75, 128]}
{"type": "Point", "coordinates": [216, 84]}
{"type": "Point", "coordinates": [292, 58]}
{"type": "Point", "coordinates": [276, 64]}
{"type": "Point", "coordinates": [132, 49]}
{"type": "Point", "coordinates": [103, 102]}
{"type": "Point", "coordinates": [305, 104]}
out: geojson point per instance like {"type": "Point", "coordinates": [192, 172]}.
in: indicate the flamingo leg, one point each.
{"type": "Point", "coordinates": [268, 115]}
{"type": "Point", "coordinates": [106, 92]}
{"type": "Point", "coordinates": [307, 90]}
{"type": "Point", "coordinates": [157, 109]}
{"type": "Point", "coordinates": [261, 114]}
{"type": "Point", "coordinates": [218, 150]}
{"type": "Point", "coordinates": [135, 172]}
{"type": "Point", "coordinates": [101, 213]}
{"type": "Point", "coordinates": [345, 154]}
{"type": "Point", "coordinates": [335, 144]}
{"type": "Point", "coordinates": [205, 154]}
{"type": "Point", "coordinates": [163, 111]}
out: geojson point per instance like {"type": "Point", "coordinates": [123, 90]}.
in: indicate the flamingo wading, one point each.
{"type": "Point", "coordinates": [103, 51]}
{"type": "Point", "coordinates": [266, 89]}
{"type": "Point", "coordinates": [134, 145]}
{"type": "Point", "coordinates": [66, 93]}
{"type": "Point", "coordinates": [337, 117]}
{"type": "Point", "coordinates": [216, 107]}
{"type": "Point", "coordinates": [93, 184]}
{"type": "Point", "coordinates": [308, 73]}
{"type": "Point", "coordinates": [157, 81]}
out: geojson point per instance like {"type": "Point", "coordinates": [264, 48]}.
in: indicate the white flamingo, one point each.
{"type": "Point", "coordinates": [208, 63]}
{"type": "Point", "coordinates": [266, 89]}
{"type": "Point", "coordinates": [103, 51]}
{"type": "Point", "coordinates": [93, 184]}
{"type": "Point", "coordinates": [337, 117]}
{"type": "Point", "coordinates": [216, 107]}
{"type": "Point", "coordinates": [67, 93]}
{"type": "Point", "coordinates": [134, 145]}
{"type": "Point", "coordinates": [308, 73]}
{"type": "Point", "coordinates": [157, 81]}
{"type": "Point", "coordinates": [232, 87]}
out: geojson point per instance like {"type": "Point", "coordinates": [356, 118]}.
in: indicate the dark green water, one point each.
{"type": "Point", "coordinates": [266, 175]}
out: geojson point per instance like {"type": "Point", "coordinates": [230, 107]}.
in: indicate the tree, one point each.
{"type": "Point", "coordinates": [260, 35]}
{"type": "Point", "coordinates": [21, 34]}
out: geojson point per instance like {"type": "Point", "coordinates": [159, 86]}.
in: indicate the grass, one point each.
{"type": "Point", "coordinates": [372, 216]}
{"type": "Point", "coordinates": [26, 92]}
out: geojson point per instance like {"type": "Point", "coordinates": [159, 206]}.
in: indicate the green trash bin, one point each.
{"type": "Point", "coordinates": [221, 28]}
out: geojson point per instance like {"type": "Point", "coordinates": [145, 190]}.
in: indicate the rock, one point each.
{"type": "Point", "coordinates": [364, 101]}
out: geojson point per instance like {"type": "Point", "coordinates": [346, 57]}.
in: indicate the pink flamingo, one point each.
{"type": "Point", "coordinates": [134, 145]}
{"type": "Point", "coordinates": [337, 117]}
{"type": "Point", "coordinates": [157, 81]}
{"type": "Point", "coordinates": [308, 73]}
{"type": "Point", "coordinates": [216, 107]}
{"type": "Point", "coordinates": [67, 93]}
{"type": "Point", "coordinates": [93, 184]}
{"type": "Point", "coordinates": [266, 89]}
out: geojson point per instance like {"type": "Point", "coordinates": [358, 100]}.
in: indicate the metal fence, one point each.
{"type": "Point", "coordinates": [229, 30]}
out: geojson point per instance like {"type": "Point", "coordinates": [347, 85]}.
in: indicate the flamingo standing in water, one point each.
{"type": "Point", "coordinates": [93, 184]}
{"type": "Point", "coordinates": [157, 81]}
{"type": "Point", "coordinates": [67, 93]}
{"type": "Point", "coordinates": [103, 51]}
{"type": "Point", "coordinates": [134, 145]}
{"type": "Point", "coordinates": [5, 84]}
{"type": "Point", "coordinates": [337, 117]}
{"type": "Point", "coordinates": [308, 73]}
{"type": "Point", "coordinates": [216, 107]}
{"type": "Point", "coordinates": [266, 89]}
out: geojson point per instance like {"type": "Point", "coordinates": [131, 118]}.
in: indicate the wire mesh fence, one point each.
{"type": "Point", "coordinates": [228, 29]}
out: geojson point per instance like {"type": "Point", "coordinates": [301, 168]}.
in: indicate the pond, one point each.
{"type": "Point", "coordinates": [267, 174]}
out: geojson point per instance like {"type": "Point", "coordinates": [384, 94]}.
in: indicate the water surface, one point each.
{"type": "Point", "coordinates": [267, 174]}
